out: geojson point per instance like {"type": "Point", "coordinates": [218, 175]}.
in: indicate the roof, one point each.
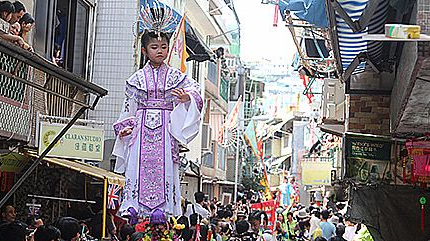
{"type": "Point", "coordinates": [87, 169]}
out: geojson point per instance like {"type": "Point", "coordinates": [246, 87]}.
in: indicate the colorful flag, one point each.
{"type": "Point", "coordinates": [257, 150]}
{"type": "Point", "coordinates": [114, 191]}
{"type": "Point", "coordinates": [178, 48]}
{"type": "Point", "coordinates": [251, 138]}
{"type": "Point", "coordinates": [231, 121]}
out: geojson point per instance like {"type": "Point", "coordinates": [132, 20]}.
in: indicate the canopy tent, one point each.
{"type": "Point", "coordinates": [312, 11]}
{"type": "Point", "coordinates": [196, 47]}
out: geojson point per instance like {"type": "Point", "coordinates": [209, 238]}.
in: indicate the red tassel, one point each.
{"type": "Point", "coordinates": [404, 170]}
{"type": "Point", "coordinates": [412, 172]}
{"type": "Point", "coordinates": [422, 219]}
{"type": "Point", "coordinates": [276, 16]}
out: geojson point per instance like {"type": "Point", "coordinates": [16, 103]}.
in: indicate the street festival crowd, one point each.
{"type": "Point", "coordinates": [255, 216]}
{"type": "Point", "coordinates": [202, 220]}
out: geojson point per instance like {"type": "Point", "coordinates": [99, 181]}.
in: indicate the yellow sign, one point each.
{"type": "Point", "coordinates": [12, 162]}
{"type": "Point", "coordinates": [79, 142]}
{"type": "Point", "coordinates": [316, 173]}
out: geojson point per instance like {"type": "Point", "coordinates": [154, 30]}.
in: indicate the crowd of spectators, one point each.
{"type": "Point", "coordinates": [16, 23]}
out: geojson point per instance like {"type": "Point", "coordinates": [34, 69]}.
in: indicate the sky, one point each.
{"type": "Point", "coordinates": [259, 39]}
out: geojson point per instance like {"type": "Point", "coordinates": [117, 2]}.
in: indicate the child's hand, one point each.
{"type": "Point", "coordinates": [182, 95]}
{"type": "Point", "coordinates": [127, 131]}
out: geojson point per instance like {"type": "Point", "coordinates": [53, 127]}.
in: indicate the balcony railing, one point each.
{"type": "Point", "coordinates": [28, 84]}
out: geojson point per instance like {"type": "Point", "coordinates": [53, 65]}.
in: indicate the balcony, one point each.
{"type": "Point", "coordinates": [29, 84]}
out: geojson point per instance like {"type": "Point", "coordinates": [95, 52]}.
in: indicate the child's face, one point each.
{"type": "Point", "coordinates": [156, 51]}
{"type": "Point", "coordinates": [15, 28]}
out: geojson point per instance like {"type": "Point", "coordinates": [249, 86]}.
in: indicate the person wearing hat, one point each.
{"type": "Point", "coordinates": [303, 219]}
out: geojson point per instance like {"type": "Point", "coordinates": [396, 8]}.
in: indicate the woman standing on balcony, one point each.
{"type": "Point", "coordinates": [27, 23]}
{"type": "Point", "coordinates": [162, 107]}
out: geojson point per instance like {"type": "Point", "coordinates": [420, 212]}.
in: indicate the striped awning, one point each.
{"type": "Point", "coordinates": [350, 43]}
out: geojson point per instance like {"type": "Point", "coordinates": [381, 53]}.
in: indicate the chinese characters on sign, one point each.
{"type": "Point", "coordinates": [79, 142]}
{"type": "Point", "coordinates": [374, 149]}
{"type": "Point", "coordinates": [367, 158]}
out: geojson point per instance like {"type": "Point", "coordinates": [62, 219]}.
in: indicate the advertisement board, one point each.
{"type": "Point", "coordinates": [316, 173]}
{"type": "Point", "coordinates": [79, 142]}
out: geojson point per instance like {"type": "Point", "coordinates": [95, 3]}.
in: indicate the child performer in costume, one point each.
{"type": "Point", "coordinates": [161, 108]}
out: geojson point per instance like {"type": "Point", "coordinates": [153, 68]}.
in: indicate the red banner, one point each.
{"type": "Point", "coordinates": [419, 157]}
{"type": "Point", "coordinates": [269, 208]}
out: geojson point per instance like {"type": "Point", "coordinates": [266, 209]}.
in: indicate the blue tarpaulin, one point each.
{"type": "Point", "coordinates": [312, 11]}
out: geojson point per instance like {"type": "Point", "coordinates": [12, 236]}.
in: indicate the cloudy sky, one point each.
{"type": "Point", "coordinates": [259, 39]}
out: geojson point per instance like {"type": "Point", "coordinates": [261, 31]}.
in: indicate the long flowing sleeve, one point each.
{"type": "Point", "coordinates": [126, 119]}
{"type": "Point", "coordinates": [185, 118]}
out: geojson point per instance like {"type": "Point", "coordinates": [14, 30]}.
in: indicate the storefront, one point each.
{"type": "Point", "coordinates": [63, 187]}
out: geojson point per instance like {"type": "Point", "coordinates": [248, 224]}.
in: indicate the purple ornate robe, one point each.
{"type": "Point", "coordinates": [150, 156]}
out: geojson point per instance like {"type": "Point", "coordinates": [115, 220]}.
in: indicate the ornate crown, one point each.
{"type": "Point", "coordinates": [158, 18]}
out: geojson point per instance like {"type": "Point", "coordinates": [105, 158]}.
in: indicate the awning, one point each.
{"type": "Point", "coordinates": [271, 130]}
{"type": "Point", "coordinates": [196, 48]}
{"type": "Point", "coordinates": [348, 41]}
{"type": "Point", "coordinates": [280, 160]}
{"type": "Point", "coordinates": [309, 10]}
{"type": "Point", "coordinates": [227, 183]}
{"type": "Point", "coordinates": [338, 130]}
{"type": "Point", "coordinates": [87, 169]}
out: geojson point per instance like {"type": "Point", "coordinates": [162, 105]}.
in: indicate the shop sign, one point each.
{"type": "Point", "coordinates": [368, 148]}
{"type": "Point", "coordinates": [12, 162]}
{"type": "Point", "coordinates": [316, 173]}
{"type": "Point", "coordinates": [79, 142]}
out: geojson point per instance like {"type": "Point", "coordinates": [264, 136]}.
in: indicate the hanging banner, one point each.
{"type": "Point", "coordinates": [418, 161]}
{"type": "Point", "coordinates": [316, 173]}
{"type": "Point", "coordinates": [269, 208]}
{"type": "Point", "coordinates": [79, 142]}
{"type": "Point", "coordinates": [367, 158]}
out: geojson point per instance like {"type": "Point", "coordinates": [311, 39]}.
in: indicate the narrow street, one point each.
{"type": "Point", "coordinates": [214, 120]}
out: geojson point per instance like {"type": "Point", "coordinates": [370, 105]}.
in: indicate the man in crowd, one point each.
{"type": "Point", "coordinates": [200, 207]}
{"type": "Point", "coordinates": [18, 13]}
{"type": "Point", "coordinates": [259, 221]}
{"type": "Point", "coordinates": [8, 214]}
{"type": "Point", "coordinates": [328, 229]}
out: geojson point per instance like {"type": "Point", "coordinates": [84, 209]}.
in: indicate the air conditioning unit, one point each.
{"type": "Point", "coordinates": [206, 137]}
{"type": "Point", "coordinates": [333, 102]}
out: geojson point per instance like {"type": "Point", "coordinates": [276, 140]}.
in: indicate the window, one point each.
{"type": "Point", "coordinates": [62, 31]}
{"type": "Point", "coordinates": [286, 140]}
{"type": "Point", "coordinates": [221, 157]}
{"type": "Point", "coordinates": [213, 73]}
{"type": "Point", "coordinates": [196, 71]}
{"type": "Point", "coordinates": [208, 159]}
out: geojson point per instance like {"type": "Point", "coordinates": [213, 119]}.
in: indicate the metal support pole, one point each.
{"type": "Point", "coordinates": [236, 171]}
{"type": "Point", "coordinates": [105, 186]}
{"type": "Point", "coordinates": [44, 153]}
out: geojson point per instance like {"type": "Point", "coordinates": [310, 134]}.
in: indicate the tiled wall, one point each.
{"type": "Point", "coordinates": [113, 60]}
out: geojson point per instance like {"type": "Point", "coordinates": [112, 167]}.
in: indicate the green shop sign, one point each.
{"type": "Point", "coordinates": [223, 89]}
{"type": "Point", "coordinates": [368, 148]}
